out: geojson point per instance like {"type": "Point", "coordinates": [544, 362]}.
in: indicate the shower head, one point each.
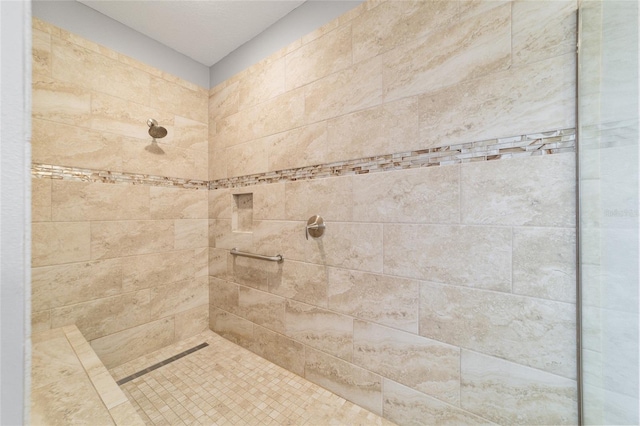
{"type": "Point", "coordinates": [155, 131]}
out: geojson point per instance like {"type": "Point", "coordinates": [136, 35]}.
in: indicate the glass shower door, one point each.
{"type": "Point", "coordinates": [608, 218]}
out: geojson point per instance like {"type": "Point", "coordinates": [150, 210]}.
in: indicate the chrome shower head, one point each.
{"type": "Point", "coordinates": [155, 131]}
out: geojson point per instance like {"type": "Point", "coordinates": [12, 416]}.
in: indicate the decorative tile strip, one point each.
{"type": "Point", "coordinates": [545, 143]}
{"type": "Point", "coordinates": [88, 175]}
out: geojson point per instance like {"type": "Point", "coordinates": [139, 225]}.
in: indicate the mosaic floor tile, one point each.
{"type": "Point", "coordinates": [225, 384]}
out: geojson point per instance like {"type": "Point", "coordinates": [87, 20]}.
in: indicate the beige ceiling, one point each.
{"type": "Point", "coordinates": [204, 30]}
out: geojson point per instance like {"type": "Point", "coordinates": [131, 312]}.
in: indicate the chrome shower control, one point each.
{"type": "Point", "coordinates": [315, 227]}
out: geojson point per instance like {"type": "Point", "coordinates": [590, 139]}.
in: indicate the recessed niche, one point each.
{"type": "Point", "coordinates": [242, 218]}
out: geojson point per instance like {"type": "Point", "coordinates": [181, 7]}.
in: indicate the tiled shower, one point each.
{"type": "Point", "coordinates": [437, 141]}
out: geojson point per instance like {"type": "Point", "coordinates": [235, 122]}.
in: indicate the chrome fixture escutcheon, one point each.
{"type": "Point", "coordinates": [315, 227]}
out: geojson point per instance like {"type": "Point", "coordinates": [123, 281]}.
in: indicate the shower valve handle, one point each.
{"type": "Point", "coordinates": [315, 227]}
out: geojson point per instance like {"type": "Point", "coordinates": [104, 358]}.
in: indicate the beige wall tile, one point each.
{"type": "Point", "coordinates": [100, 317]}
{"type": "Point", "coordinates": [40, 200]}
{"type": "Point", "coordinates": [192, 322]}
{"type": "Point", "coordinates": [116, 115]}
{"type": "Point", "coordinates": [61, 242]}
{"type": "Point", "coordinates": [392, 24]}
{"type": "Point", "coordinates": [190, 134]}
{"type": "Point", "coordinates": [320, 328]}
{"type": "Point", "coordinates": [261, 308]}
{"type": "Point", "coordinates": [225, 238]}
{"type": "Point", "coordinates": [248, 158]}
{"type": "Point", "coordinates": [59, 101]}
{"type": "Point", "coordinates": [226, 132]}
{"type": "Point", "coordinates": [383, 299]}
{"type": "Point", "coordinates": [40, 321]}
{"type": "Point", "coordinates": [543, 30]}
{"type": "Point", "coordinates": [221, 203]}
{"type": "Point", "coordinates": [519, 101]}
{"type": "Point", "coordinates": [61, 285]}
{"type": "Point", "coordinates": [264, 82]}
{"type": "Point", "coordinates": [60, 144]}
{"type": "Point", "coordinates": [404, 405]}
{"type": "Point", "coordinates": [201, 262]}
{"type": "Point", "coordinates": [118, 348]}
{"type": "Point", "coordinates": [330, 198]}
{"type": "Point", "coordinates": [74, 64]}
{"type": "Point", "coordinates": [285, 238]}
{"type": "Point", "coordinates": [80, 201]}
{"type": "Point", "coordinates": [224, 100]}
{"type": "Point", "coordinates": [508, 393]}
{"type": "Point", "coordinates": [218, 262]}
{"type": "Point", "coordinates": [178, 203]}
{"type": "Point", "coordinates": [346, 380]}
{"type": "Point", "coordinates": [319, 58]}
{"type": "Point", "coordinates": [392, 127]}
{"type": "Point", "coordinates": [422, 364]}
{"type": "Point", "coordinates": [87, 44]}
{"type": "Point", "coordinates": [127, 60]}
{"type": "Point", "coordinates": [233, 328]}
{"type": "Point", "coordinates": [217, 164]}
{"type": "Point", "coordinates": [427, 195]}
{"type": "Point", "coordinates": [284, 112]}
{"type": "Point", "coordinates": [127, 238]}
{"type": "Point", "coordinates": [470, 256]}
{"type": "Point", "coordinates": [299, 147]}
{"type": "Point", "coordinates": [468, 49]}
{"type": "Point", "coordinates": [41, 52]}
{"type": "Point", "coordinates": [223, 294]}
{"type": "Point", "coordinates": [172, 299]}
{"type": "Point", "coordinates": [148, 270]}
{"type": "Point", "coordinates": [179, 100]}
{"type": "Point", "coordinates": [162, 159]}
{"type": "Point", "coordinates": [304, 282]}
{"type": "Point", "coordinates": [191, 233]}
{"type": "Point", "coordinates": [516, 191]}
{"type": "Point", "coordinates": [268, 201]}
{"type": "Point", "coordinates": [355, 88]}
{"type": "Point", "coordinates": [349, 245]}
{"type": "Point", "coordinates": [278, 349]}
{"type": "Point", "coordinates": [544, 263]}
{"type": "Point", "coordinates": [534, 332]}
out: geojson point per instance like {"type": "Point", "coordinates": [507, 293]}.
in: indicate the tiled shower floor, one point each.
{"type": "Point", "coordinates": [225, 384]}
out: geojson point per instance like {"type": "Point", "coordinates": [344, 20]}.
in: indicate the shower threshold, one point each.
{"type": "Point", "coordinates": [222, 383]}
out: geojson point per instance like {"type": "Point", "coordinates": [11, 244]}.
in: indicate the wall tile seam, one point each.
{"type": "Point", "coordinates": [420, 281]}
{"type": "Point", "coordinates": [353, 363]}
{"type": "Point", "coordinates": [455, 407]}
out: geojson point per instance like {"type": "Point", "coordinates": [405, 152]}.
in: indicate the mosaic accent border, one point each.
{"type": "Point", "coordinates": [533, 144]}
{"type": "Point", "coordinates": [545, 143]}
{"type": "Point", "coordinates": [88, 175]}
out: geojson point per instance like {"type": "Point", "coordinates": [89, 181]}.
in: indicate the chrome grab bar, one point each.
{"type": "Point", "coordinates": [276, 258]}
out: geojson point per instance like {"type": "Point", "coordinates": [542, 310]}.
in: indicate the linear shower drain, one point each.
{"type": "Point", "coordinates": [161, 363]}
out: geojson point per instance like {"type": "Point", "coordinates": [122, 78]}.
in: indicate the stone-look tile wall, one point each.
{"type": "Point", "coordinates": [440, 294]}
{"type": "Point", "coordinates": [126, 261]}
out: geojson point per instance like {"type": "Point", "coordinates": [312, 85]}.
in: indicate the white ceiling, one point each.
{"type": "Point", "coordinates": [204, 30]}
